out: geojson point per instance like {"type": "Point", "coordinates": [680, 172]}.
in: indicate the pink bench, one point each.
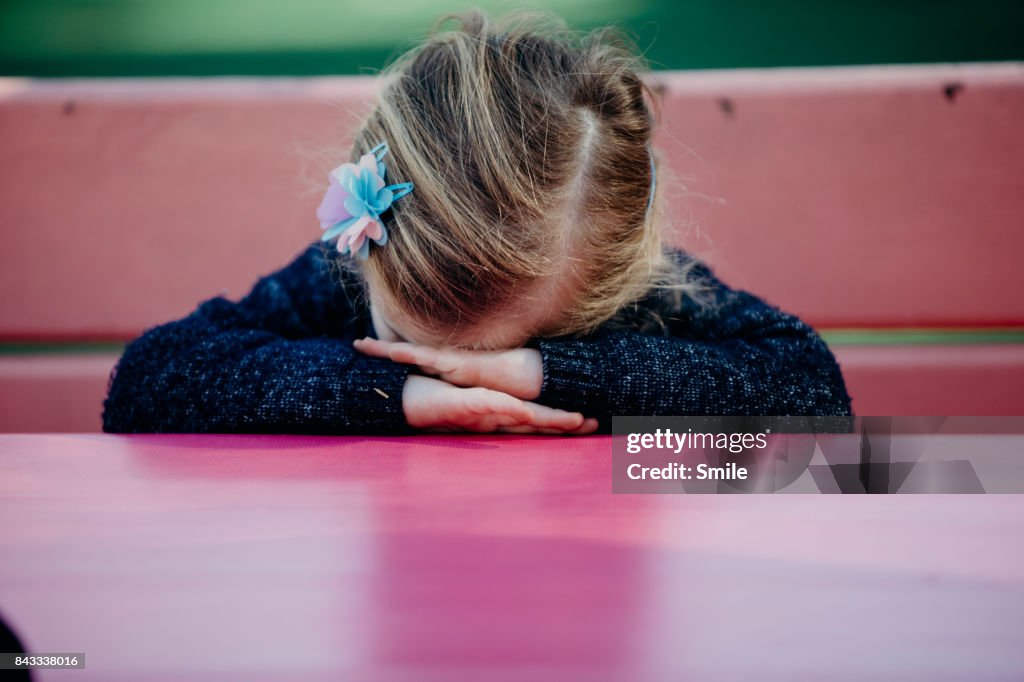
{"type": "Point", "coordinates": [879, 197]}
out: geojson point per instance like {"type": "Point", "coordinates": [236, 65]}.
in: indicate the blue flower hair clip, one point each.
{"type": "Point", "coordinates": [356, 197]}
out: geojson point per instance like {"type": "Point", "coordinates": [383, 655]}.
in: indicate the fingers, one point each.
{"type": "Point", "coordinates": [433, 361]}
{"type": "Point", "coordinates": [483, 410]}
{"type": "Point", "coordinates": [485, 402]}
{"type": "Point", "coordinates": [551, 418]}
{"type": "Point", "coordinates": [527, 414]}
{"type": "Point", "coordinates": [547, 420]}
{"type": "Point", "coordinates": [399, 351]}
{"type": "Point", "coordinates": [588, 427]}
{"type": "Point", "coordinates": [528, 429]}
{"type": "Point", "coordinates": [518, 372]}
{"type": "Point", "coordinates": [434, 403]}
{"type": "Point", "coordinates": [409, 353]}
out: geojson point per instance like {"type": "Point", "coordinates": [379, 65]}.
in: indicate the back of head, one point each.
{"type": "Point", "coordinates": [529, 150]}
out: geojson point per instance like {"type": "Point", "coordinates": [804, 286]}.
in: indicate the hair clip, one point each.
{"type": "Point", "coordinates": [356, 197]}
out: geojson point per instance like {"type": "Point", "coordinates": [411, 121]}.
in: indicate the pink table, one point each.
{"type": "Point", "coordinates": [483, 558]}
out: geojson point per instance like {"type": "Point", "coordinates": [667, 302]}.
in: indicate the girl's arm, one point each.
{"type": "Point", "coordinates": [734, 356]}
{"type": "Point", "coordinates": [280, 360]}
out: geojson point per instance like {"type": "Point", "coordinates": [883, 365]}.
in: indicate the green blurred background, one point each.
{"type": "Point", "coordinates": [307, 37]}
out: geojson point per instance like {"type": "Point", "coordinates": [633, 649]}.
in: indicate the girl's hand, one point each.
{"type": "Point", "coordinates": [437, 405]}
{"type": "Point", "coordinates": [518, 372]}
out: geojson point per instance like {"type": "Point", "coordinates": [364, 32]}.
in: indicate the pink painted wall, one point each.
{"type": "Point", "coordinates": [851, 196]}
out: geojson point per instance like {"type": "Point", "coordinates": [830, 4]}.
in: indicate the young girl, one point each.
{"type": "Point", "coordinates": [490, 262]}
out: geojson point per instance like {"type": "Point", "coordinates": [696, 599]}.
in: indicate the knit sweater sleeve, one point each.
{"type": "Point", "coordinates": [278, 361]}
{"type": "Point", "coordinates": [732, 354]}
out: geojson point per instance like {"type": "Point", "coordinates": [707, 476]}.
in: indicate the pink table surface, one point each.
{"type": "Point", "coordinates": [483, 558]}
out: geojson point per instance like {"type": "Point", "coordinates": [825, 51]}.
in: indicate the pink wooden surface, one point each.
{"type": "Point", "coordinates": [125, 203]}
{"type": "Point", "coordinates": [483, 558]}
{"type": "Point", "coordinates": [860, 196]}
{"type": "Point", "coordinates": [935, 380]}
{"type": "Point", "coordinates": [852, 196]}
{"type": "Point", "coordinates": [52, 393]}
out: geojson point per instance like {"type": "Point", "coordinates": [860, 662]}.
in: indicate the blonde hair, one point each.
{"type": "Point", "coordinates": [529, 148]}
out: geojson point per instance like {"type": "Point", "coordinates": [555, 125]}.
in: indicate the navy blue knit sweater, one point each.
{"type": "Point", "coordinates": [281, 361]}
